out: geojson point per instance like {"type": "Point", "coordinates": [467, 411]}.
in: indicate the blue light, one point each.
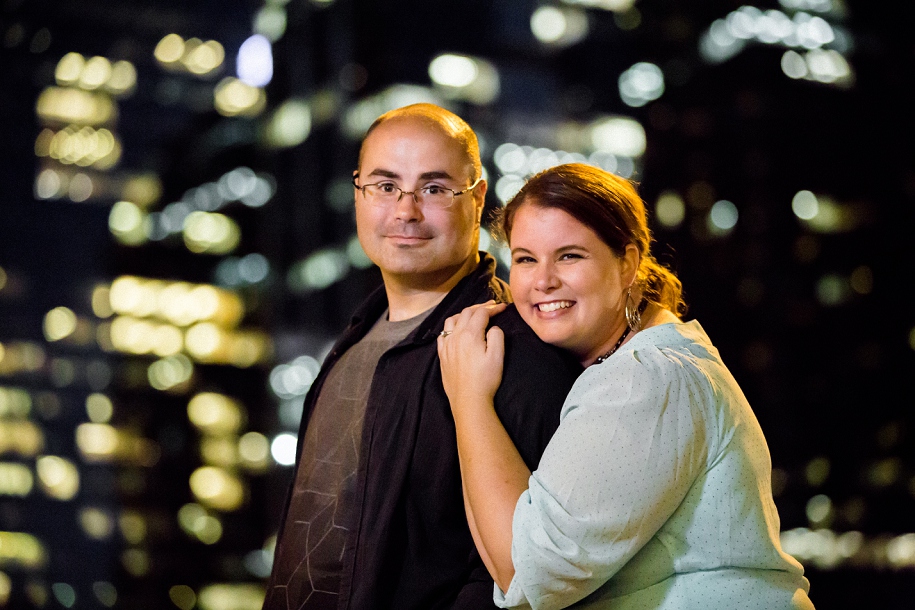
{"type": "Point", "coordinates": [255, 61]}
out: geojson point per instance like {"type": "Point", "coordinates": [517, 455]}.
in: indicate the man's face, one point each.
{"type": "Point", "coordinates": [417, 246]}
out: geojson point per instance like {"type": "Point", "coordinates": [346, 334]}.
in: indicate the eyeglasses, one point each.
{"type": "Point", "coordinates": [432, 195]}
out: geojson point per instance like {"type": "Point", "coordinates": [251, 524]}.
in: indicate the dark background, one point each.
{"type": "Point", "coordinates": [816, 326]}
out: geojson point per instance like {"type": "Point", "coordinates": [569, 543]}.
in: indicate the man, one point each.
{"type": "Point", "coordinates": [375, 517]}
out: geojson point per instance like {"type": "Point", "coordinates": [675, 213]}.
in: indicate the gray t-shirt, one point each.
{"type": "Point", "coordinates": [309, 556]}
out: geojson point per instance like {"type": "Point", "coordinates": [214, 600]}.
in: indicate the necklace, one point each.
{"type": "Point", "coordinates": [641, 308]}
{"type": "Point", "coordinates": [614, 348]}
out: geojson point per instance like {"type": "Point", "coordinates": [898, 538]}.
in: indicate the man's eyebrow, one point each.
{"type": "Point", "coordinates": [438, 174]}
{"type": "Point", "coordinates": [435, 175]}
{"type": "Point", "coordinates": [384, 173]}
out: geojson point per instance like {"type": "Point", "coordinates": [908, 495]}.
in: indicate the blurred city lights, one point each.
{"type": "Point", "coordinates": [97, 523]}
{"type": "Point", "coordinates": [233, 97]}
{"type": "Point", "coordinates": [270, 21]}
{"type": "Point", "coordinates": [619, 136]}
{"type": "Point", "coordinates": [466, 78]}
{"type": "Point", "coordinates": [14, 402]}
{"type": "Point", "coordinates": [231, 596]}
{"type": "Point", "coordinates": [18, 549]}
{"type": "Point", "coordinates": [283, 449]}
{"type": "Point", "coordinates": [670, 210]}
{"type": "Point", "coordinates": [118, 77]}
{"type": "Point", "coordinates": [559, 26]}
{"type": "Point", "coordinates": [217, 488]}
{"type": "Point", "coordinates": [362, 114]}
{"type": "Point", "coordinates": [640, 84]}
{"type": "Point", "coordinates": [295, 378]}
{"type": "Point", "coordinates": [254, 450]}
{"type": "Point", "coordinates": [182, 596]}
{"type": "Point", "coordinates": [99, 408]}
{"type": "Point", "coordinates": [59, 323]}
{"type": "Point", "coordinates": [210, 233]}
{"type": "Point", "coordinates": [82, 146]}
{"type": "Point", "coordinates": [20, 437]}
{"type": "Point", "coordinates": [290, 124]}
{"type": "Point", "coordinates": [254, 64]}
{"type": "Point", "coordinates": [193, 56]}
{"type": "Point", "coordinates": [75, 106]}
{"type": "Point", "coordinates": [57, 477]}
{"type": "Point", "coordinates": [318, 271]}
{"type": "Point", "coordinates": [619, 6]}
{"type": "Point", "coordinates": [170, 373]}
{"type": "Point", "coordinates": [214, 413]}
{"type": "Point", "coordinates": [15, 479]}
{"type": "Point", "coordinates": [126, 222]}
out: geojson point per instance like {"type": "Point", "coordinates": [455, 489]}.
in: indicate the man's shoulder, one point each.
{"type": "Point", "coordinates": [511, 323]}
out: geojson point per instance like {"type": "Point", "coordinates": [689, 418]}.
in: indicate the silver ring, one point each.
{"type": "Point", "coordinates": [445, 333]}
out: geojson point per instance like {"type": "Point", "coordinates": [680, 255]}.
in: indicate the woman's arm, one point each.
{"type": "Point", "coordinates": [493, 473]}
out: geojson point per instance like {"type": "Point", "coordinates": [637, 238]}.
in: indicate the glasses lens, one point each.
{"type": "Point", "coordinates": [435, 195]}
{"type": "Point", "coordinates": [382, 193]}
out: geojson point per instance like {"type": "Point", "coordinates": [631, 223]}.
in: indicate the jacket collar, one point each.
{"type": "Point", "coordinates": [477, 286]}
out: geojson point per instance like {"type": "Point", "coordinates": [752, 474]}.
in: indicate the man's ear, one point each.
{"type": "Point", "coordinates": [479, 195]}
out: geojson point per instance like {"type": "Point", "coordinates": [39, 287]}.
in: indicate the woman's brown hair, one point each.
{"type": "Point", "coordinates": [609, 206]}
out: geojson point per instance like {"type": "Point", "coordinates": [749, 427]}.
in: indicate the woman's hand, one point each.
{"type": "Point", "coordinates": [471, 358]}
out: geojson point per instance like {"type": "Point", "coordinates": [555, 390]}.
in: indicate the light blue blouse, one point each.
{"type": "Point", "coordinates": [655, 491]}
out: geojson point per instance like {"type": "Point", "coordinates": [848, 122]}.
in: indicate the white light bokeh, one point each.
{"type": "Point", "coordinates": [283, 449]}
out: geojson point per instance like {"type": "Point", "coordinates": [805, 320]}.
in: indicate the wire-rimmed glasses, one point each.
{"type": "Point", "coordinates": [386, 193]}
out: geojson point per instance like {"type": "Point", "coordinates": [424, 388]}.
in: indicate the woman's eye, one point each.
{"type": "Point", "coordinates": [522, 259]}
{"type": "Point", "coordinates": [570, 256]}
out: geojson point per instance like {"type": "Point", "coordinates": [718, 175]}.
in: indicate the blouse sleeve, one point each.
{"type": "Point", "coordinates": [631, 443]}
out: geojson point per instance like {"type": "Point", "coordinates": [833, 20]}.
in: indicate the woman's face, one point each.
{"type": "Point", "coordinates": [568, 285]}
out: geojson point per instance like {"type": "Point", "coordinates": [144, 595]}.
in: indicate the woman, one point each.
{"type": "Point", "coordinates": [655, 490]}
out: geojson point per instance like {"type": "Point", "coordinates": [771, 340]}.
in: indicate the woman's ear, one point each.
{"type": "Point", "coordinates": [630, 264]}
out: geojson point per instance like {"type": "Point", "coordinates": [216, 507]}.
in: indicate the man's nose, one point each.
{"type": "Point", "coordinates": [406, 207]}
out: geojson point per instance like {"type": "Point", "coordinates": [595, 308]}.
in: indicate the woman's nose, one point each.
{"type": "Point", "coordinates": [546, 279]}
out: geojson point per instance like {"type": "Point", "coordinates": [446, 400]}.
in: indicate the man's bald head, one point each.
{"type": "Point", "coordinates": [438, 118]}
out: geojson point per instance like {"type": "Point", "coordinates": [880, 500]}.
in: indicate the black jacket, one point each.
{"type": "Point", "coordinates": [411, 546]}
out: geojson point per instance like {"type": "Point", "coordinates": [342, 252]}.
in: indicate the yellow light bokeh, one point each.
{"type": "Point", "coordinates": [58, 477]}
{"type": "Point", "coordinates": [97, 442]}
{"type": "Point", "coordinates": [59, 323]}
{"type": "Point", "coordinates": [95, 73]}
{"type": "Point", "coordinates": [97, 523]}
{"type": "Point", "coordinates": [20, 437]}
{"type": "Point", "coordinates": [15, 479]}
{"type": "Point", "coordinates": [21, 549]}
{"type": "Point", "coordinates": [126, 223]}
{"type": "Point", "coordinates": [217, 488]}
{"type": "Point", "coordinates": [232, 97]}
{"type": "Point", "coordinates": [215, 414]}
{"type": "Point", "coordinates": [231, 596]}
{"type": "Point", "coordinates": [133, 526]}
{"type": "Point", "coordinates": [99, 408]}
{"type": "Point", "coordinates": [170, 373]}
{"type": "Point", "coordinates": [170, 49]}
{"type": "Point", "coordinates": [22, 357]}
{"type": "Point", "coordinates": [101, 302]}
{"type": "Point", "coordinates": [210, 233]}
{"type": "Point", "coordinates": [69, 68]}
{"type": "Point", "coordinates": [74, 106]}
{"type": "Point", "coordinates": [219, 451]}
{"type": "Point", "coordinates": [206, 342]}
{"type": "Point", "coordinates": [204, 58]}
{"type": "Point", "coordinates": [15, 402]}
{"type": "Point", "coordinates": [254, 451]}
{"type": "Point", "coordinates": [143, 189]}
